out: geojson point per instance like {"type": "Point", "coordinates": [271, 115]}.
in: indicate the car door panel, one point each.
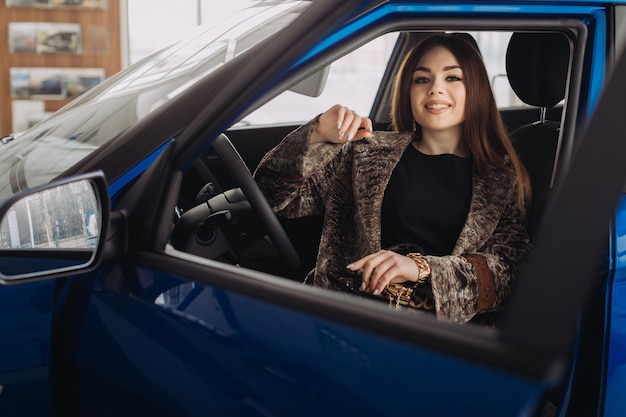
{"type": "Point", "coordinates": [615, 337]}
{"type": "Point", "coordinates": [25, 348]}
{"type": "Point", "coordinates": [188, 348]}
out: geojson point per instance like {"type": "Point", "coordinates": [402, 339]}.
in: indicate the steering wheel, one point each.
{"type": "Point", "coordinates": [237, 168]}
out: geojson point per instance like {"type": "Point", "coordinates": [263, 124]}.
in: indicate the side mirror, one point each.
{"type": "Point", "coordinates": [53, 229]}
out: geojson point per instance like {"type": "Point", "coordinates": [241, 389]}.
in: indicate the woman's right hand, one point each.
{"type": "Point", "coordinates": [339, 124]}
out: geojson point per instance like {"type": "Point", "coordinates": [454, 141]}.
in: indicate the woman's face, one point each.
{"type": "Point", "coordinates": [438, 93]}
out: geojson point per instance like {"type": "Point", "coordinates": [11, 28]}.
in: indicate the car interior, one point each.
{"type": "Point", "coordinates": [540, 66]}
{"type": "Point", "coordinates": [215, 220]}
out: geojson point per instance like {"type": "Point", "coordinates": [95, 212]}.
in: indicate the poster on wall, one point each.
{"type": "Point", "coordinates": [23, 37]}
{"type": "Point", "coordinates": [45, 38]}
{"type": "Point", "coordinates": [28, 3]}
{"type": "Point", "coordinates": [53, 83]}
{"type": "Point", "coordinates": [85, 4]}
{"type": "Point", "coordinates": [55, 38]}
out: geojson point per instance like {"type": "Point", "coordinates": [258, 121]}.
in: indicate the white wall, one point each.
{"type": "Point", "coordinates": [153, 24]}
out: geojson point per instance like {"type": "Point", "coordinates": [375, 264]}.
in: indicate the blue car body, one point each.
{"type": "Point", "coordinates": [146, 329]}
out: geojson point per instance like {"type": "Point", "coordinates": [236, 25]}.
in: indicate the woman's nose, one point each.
{"type": "Point", "coordinates": [435, 88]}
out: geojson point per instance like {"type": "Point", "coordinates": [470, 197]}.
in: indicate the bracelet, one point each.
{"type": "Point", "coordinates": [423, 267]}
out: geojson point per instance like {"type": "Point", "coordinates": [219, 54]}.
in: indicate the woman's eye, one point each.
{"type": "Point", "coordinates": [454, 78]}
{"type": "Point", "coordinates": [421, 80]}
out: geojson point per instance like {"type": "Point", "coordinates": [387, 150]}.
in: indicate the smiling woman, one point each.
{"type": "Point", "coordinates": [446, 183]}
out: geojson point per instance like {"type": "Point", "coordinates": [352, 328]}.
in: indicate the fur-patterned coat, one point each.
{"type": "Point", "coordinates": [347, 183]}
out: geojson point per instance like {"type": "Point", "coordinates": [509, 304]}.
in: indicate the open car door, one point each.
{"type": "Point", "coordinates": [176, 334]}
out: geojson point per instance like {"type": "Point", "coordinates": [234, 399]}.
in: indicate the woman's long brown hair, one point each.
{"type": "Point", "coordinates": [484, 130]}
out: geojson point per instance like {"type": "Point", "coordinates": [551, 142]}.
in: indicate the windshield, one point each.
{"type": "Point", "coordinates": [103, 113]}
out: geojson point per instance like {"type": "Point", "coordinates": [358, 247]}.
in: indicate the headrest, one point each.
{"type": "Point", "coordinates": [537, 66]}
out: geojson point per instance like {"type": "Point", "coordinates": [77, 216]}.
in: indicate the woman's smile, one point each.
{"type": "Point", "coordinates": [437, 107]}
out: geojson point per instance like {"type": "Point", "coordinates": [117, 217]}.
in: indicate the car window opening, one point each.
{"type": "Point", "coordinates": [232, 232]}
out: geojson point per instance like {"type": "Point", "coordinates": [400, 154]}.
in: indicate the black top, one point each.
{"type": "Point", "coordinates": [426, 201]}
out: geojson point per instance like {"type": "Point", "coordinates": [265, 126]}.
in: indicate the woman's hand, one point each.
{"type": "Point", "coordinates": [339, 124]}
{"type": "Point", "coordinates": [383, 267]}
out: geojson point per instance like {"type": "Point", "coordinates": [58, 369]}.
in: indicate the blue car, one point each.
{"type": "Point", "coordinates": [144, 273]}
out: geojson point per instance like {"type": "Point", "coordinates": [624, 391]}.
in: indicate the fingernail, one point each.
{"type": "Point", "coordinates": [350, 136]}
{"type": "Point", "coordinates": [375, 291]}
{"type": "Point", "coordinates": [349, 266]}
{"type": "Point", "coordinates": [362, 287]}
{"type": "Point", "coordinates": [339, 125]}
{"type": "Point", "coordinates": [341, 134]}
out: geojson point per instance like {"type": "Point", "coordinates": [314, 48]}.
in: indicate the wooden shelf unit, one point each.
{"type": "Point", "coordinates": [100, 41]}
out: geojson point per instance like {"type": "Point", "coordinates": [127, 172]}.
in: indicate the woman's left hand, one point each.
{"type": "Point", "coordinates": [383, 267]}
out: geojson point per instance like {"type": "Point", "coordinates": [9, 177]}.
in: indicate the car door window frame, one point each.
{"type": "Point", "coordinates": [469, 342]}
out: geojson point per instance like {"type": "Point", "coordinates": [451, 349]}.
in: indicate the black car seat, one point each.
{"type": "Point", "coordinates": [537, 67]}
